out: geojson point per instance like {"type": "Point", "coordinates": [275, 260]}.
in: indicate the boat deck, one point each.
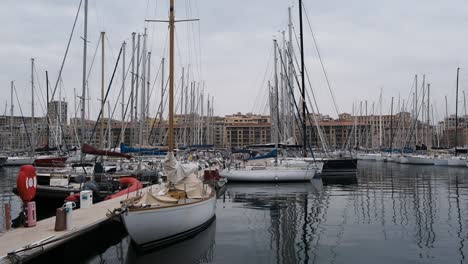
{"type": "Point", "coordinates": [27, 242]}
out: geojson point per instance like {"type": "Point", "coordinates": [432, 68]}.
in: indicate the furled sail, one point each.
{"type": "Point", "coordinates": [88, 149]}
{"type": "Point", "coordinates": [175, 171]}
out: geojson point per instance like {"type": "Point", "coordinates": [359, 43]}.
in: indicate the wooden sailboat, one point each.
{"type": "Point", "coordinates": [171, 211]}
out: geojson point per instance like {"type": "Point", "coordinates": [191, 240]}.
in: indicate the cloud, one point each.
{"type": "Point", "coordinates": [365, 45]}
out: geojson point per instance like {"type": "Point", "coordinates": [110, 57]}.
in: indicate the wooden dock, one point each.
{"type": "Point", "coordinates": [25, 243]}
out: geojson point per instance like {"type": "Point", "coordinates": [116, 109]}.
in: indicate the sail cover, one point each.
{"type": "Point", "coordinates": [175, 171]}
{"type": "Point", "coordinates": [88, 149]}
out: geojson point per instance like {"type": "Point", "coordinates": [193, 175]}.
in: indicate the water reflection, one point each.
{"type": "Point", "coordinates": [388, 213]}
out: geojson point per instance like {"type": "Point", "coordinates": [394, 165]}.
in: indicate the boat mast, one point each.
{"type": "Point", "coordinates": [445, 123]}
{"type": "Point", "coordinates": [304, 127]}
{"type": "Point", "coordinates": [122, 132]}
{"type": "Point", "coordinates": [47, 108]}
{"type": "Point", "coordinates": [464, 102]}
{"type": "Point", "coordinates": [101, 141]}
{"type": "Point", "coordinates": [275, 100]}
{"type": "Point", "coordinates": [456, 114]}
{"type": "Point", "coordinates": [428, 135]}
{"type": "Point", "coordinates": [83, 94]}
{"type": "Point", "coordinates": [290, 89]}
{"type": "Point", "coordinates": [132, 92]}
{"type": "Point", "coordinates": [161, 134]}
{"type": "Point", "coordinates": [142, 93]}
{"type": "Point", "coordinates": [32, 105]}
{"type": "Point", "coordinates": [391, 127]}
{"type": "Point", "coordinates": [137, 85]}
{"type": "Point", "coordinates": [416, 108]}
{"type": "Point", "coordinates": [148, 83]}
{"type": "Point", "coordinates": [11, 116]}
{"type": "Point", "coordinates": [380, 119]}
{"type": "Point", "coordinates": [171, 77]}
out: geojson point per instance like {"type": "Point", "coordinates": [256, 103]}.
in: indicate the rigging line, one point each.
{"type": "Point", "coordinates": [92, 61]}
{"type": "Point", "coordinates": [197, 12]}
{"type": "Point", "coordinates": [197, 48]}
{"type": "Point", "coordinates": [41, 102]}
{"type": "Point", "coordinates": [320, 59]}
{"type": "Point", "coordinates": [22, 118]}
{"type": "Point", "coordinates": [264, 78]}
{"type": "Point", "coordinates": [107, 93]}
{"type": "Point", "coordinates": [66, 50]}
{"type": "Point", "coordinates": [319, 129]}
{"type": "Point", "coordinates": [155, 78]}
{"type": "Point", "coordinates": [108, 42]}
{"type": "Point", "coordinates": [299, 119]}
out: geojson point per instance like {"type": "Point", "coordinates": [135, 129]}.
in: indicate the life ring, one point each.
{"type": "Point", "coordinates": [26, 183]}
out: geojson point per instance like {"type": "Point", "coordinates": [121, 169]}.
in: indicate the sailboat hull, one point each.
{"type": "Point", "coordinates": [269, 174]}
{"type": "Point", "coordinates": [150, 228]}
{"type": "Point", "coordinates": [420, 160]}
{"type": "Point", "coordinates": [19, 161]}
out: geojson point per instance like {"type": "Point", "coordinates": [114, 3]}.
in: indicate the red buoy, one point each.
{"type": "Point", "coordinates": [26, 183]}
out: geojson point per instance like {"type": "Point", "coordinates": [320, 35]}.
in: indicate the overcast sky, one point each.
{"type": "Point", "coordinates": [366, 46]}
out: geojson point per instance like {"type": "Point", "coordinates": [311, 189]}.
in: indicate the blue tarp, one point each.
{"type": "Point", "coordinates": [146, 151]}
{"type": "Point", "coordinates": [273, 153]}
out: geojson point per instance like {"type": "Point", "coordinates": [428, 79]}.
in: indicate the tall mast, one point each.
{"type": "Point", "coordinates": [47, 109]}
{"type": "Point", "coordinates": [83, 94]}
{"type": "Point", "coordinates": [137, 83]}
{"type": "Point", "coordinates": [143, 93]}
{"type": "Point", "coordinates": [11, 116]}
{"type": "Point", "coordinates": [148, 82]}
{"type": "Point", "coordinates": [290, 85]}
{"type": "Point", "coordinates": [132, 92]}
{"type": "Point", "coordinates": [456, 114]}
{"type": "Point", "coordinates": [445, 123]}
{"type": "Point", "coordinates": [33, 142]}
{"type": "Point", "coordinates": [304, 127]}
{"type": "Point", "coordinates": [380, 120]}
{"type": "Point", "coordinates": [171, 77]}
{"type": "Point", "coordinates": [181, 108]}
{"type": "Point", "coordinates": [101, 138]}
{"type": "Point", "coordinates": [428, 135]}
{"type": "Point", "coordinates": [275, 98]}
{"type": "Point", "coordinates": [122, 133]}
{"type": "Point", "coordinates": [391, 127]}
{"type": "Point", "coordinates": [162, 102]}
{"type": "Point", "coordinates": [464, 102]}
{"type": "Point", "coordinates": [416, 108]}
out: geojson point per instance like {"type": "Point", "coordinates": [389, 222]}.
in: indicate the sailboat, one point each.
{"type": "Point", "coordinates": [293, 170]}
{"type": "Point", "coordinates": [169, 212]}
{"type": "Point", "coordinates": [456, 160]}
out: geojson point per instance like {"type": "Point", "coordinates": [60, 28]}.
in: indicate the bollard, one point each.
{"type": "Point", "coordinates": [7, 217]}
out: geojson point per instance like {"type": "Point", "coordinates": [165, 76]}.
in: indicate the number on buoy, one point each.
{"type": "Point", "coordinates": [26, 183]}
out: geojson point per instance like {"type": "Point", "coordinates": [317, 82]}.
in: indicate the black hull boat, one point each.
{"type": "Point", "coordinates": [339, 167]}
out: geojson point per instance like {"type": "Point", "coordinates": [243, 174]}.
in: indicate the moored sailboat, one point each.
{"type": "Point", "coordinates": [169, 212]}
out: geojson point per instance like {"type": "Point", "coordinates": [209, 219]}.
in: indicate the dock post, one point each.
{"type": "Point", "coordinates": [7, 216]}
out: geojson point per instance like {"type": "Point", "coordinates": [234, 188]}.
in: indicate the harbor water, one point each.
{"type": "Point", "coordinates": [388, 213]}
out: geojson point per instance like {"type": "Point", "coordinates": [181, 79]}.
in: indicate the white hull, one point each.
{"type": "Point", "coordinates": [440, 162]}
{"type": "Point", "coordinates": [366, 156]}
{"type": "Point", "coordinates": [158, 226]}
{"type": "Point", "coordinates": [268, 174]}
{"type": "Point", "coordinates": [456, 162]}
{"type": "Point", "coordinates": [403, 160]}
{"type": "Point", "coordinates": [420, 160]}
{"type": "Point", "coordinates": [19, 161]}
